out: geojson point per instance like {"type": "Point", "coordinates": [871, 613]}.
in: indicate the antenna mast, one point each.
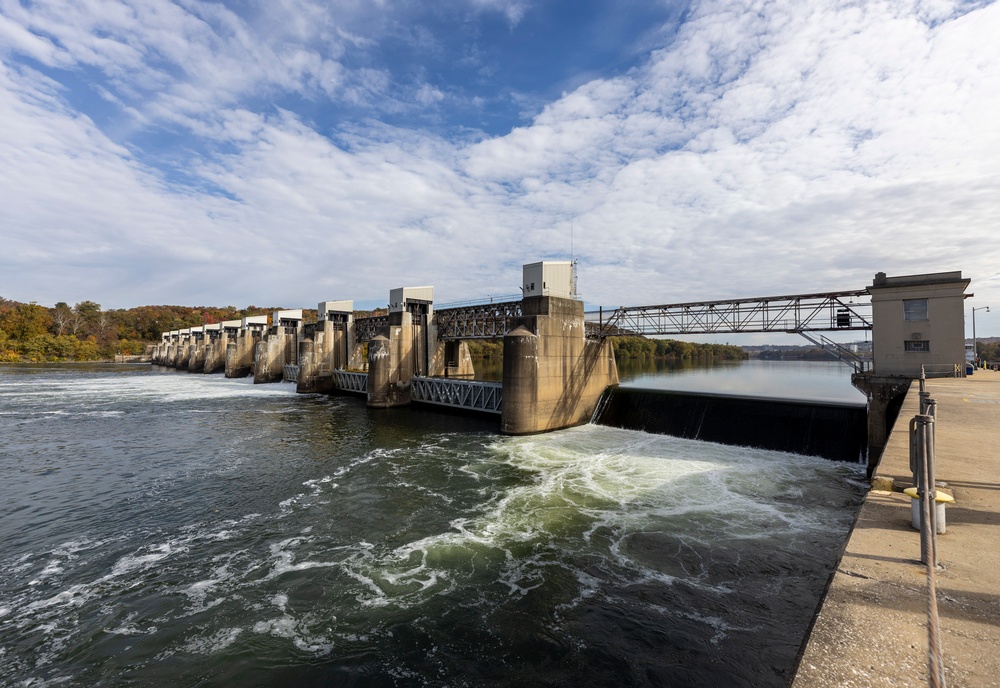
{"type": "Point", "coordinates": [575, 294]}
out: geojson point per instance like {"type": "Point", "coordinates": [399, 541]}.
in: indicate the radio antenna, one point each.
{"type": "Point", "coordinates": [572, 256]}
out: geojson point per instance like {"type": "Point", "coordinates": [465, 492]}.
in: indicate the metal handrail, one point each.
{"type": "Point", "coordinates": [478, 301]}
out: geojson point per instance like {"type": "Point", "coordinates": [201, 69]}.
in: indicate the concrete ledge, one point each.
{"type": "Point", "coordinates": [871, 627]}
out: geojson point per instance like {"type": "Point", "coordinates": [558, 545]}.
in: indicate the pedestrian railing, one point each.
{"type": "Point", "coordinates": [347, 381]}
{"type": "Point", "coordinates": [474, 395]}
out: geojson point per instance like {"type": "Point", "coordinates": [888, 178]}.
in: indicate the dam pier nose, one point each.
{"type": "Point", "coordinates": [553, 374]}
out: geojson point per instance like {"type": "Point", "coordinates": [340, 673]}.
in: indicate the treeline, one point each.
{"type": "Point", "coordinates": [633, 347]}
{"type": "Point", "coordinates": [486, 349]}
{"type": "Point", "coordinates": [642, 347]}
{"type": "Point", "coordinates": [799, 354]}
{"type": "Point", "coordinates": [86, 332]}
{"type": "Point", "coordinates": [988, 351]}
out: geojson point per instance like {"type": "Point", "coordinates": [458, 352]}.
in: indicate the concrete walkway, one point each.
{"type": "Point", "coordinates": [871, 630]}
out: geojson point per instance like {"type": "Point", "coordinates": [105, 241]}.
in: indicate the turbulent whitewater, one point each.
{"type": "Point", "coordinates": [162, 528]}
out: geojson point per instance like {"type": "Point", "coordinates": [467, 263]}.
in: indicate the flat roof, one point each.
{"type": "Point", "coordinates": [882, 281]}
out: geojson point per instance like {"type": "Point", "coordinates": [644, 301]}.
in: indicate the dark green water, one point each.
{"type": "Point", "coordinates": [168, 529]}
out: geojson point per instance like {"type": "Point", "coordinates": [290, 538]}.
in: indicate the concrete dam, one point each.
{"type": "Point", "coordinates": [558, 361]}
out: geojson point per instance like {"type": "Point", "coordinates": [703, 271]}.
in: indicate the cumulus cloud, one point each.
{"type": "Point", "coordinates": [772, 148]}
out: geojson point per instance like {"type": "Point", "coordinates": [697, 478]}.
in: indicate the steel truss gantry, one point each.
{"type": "Point", "coordinates": [366, 329]}
{"type": "Point", "coordinates": [479, 321]}
{"type": "Point", "coordinates": [832, 311]}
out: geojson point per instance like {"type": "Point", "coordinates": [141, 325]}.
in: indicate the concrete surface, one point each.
{"type": "Point", "coordinates": [871, 629]}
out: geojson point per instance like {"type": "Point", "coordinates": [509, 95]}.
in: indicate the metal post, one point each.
{"type": "Point", "coordinates": [928, 533]}
{"type": "Point", "coordinates": [920, 440]}
{"type": "Point", "coordinates": [926, 489]}
{"type": "Point", "coordinates": [931, 483]}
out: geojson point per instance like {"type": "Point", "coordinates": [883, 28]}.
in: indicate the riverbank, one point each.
{"type": "Point", "coordinates": [871, 628]}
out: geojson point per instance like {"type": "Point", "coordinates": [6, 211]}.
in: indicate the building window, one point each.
{"type": "Point", "coordinates": [917, 345]}
{"type": "Point", "coordinates": [914, 309]}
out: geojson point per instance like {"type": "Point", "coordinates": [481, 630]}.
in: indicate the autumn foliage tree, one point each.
{"type": "Point", "coordinates": [86, 332]}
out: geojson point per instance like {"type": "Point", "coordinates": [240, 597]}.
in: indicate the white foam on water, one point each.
{"type": "Point", "coordinates": [158, 388]}
{"type": "Point", "coordinates": [416, 487]}
{"type": "Point", "coordinates": [298, 631]}
{"type": "Point", "coordinates": [282, 626]}
{"type": "Point", "coordinates": [376, 597]}
{"type": "Point", "coordinates": [221, 535]}
{"type": "Point", "coordinates": [130, 563]}
{"type": "Point", "coordinates": [593, 489]}
{"type": "Point", "coordinates": [213, 643]}
{"type": "Point", "coordinates": [51, 569]}
{"type": "Point", "coordinates": [284, 558]}
{"type": "Point", "coordinates": [74, 596]}
{"type": "Point", "coordinates": [579, 486]}
{"type": "Point", "coordinates": [72, 548]}
{"type": "Point", "coordinates": [129, 629]}
{"type": "Point", "coordinates": [720, 627]}
{"type": "Point", "coordinates": [199, 591]}
{"type": "Point", "coordinates": [57, 615]}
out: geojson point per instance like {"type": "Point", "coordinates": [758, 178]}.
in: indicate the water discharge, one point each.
{"type": "Point", "coordinates": [174, 529]}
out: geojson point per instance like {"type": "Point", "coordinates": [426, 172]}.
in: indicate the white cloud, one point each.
{"type": "Point", "coordinates": [776, 149]}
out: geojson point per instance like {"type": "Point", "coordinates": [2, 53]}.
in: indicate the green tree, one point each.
{"type": "Point", "coordinates": [27, 320]}
{"type": "Point", "coordinates": [85, 313]}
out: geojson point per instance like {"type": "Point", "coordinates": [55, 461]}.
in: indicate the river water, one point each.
{"type": "Point", "coordinates": [160, 528]}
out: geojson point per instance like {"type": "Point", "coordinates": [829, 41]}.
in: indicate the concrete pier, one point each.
{"type": "Point", "coordinates": [182, 353]}
{"type": "Point", "coordinates": [278, 348]}
{"type": "Point", "coordinates": [384, 385]}
{"type": "Point", "coordinates": [401, 352]}
{"type": "Point", "coordinates": [215, 353]}
{"type": "Point", "coordinates": [196, 357]}
{"type": "Point", "coordinates": [884, 394]}
{"type": "Point", "coordinates": [325, 346]}
{"type": "Point", "coordinates": [213, 334]}
{"type": "Point", "coordinates": [240, 349]}
{"type": "Point", "coordinates": [452, 359]}
{"type": "Point", "coordinates": [871, 627]}
{"type": "Point", "coordinates": [553, 376]}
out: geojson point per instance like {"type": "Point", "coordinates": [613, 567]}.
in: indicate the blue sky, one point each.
{"type": "Point", "coordinates": [292, 151]}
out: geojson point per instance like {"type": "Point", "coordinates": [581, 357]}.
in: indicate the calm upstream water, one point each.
{"type": "Point", "coordinates": [827, 381]}
{"type": "Point", "coordinates": [167, 529]}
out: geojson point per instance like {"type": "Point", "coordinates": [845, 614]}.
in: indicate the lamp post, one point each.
{"type": "Point", "coordinates": [975, 344]}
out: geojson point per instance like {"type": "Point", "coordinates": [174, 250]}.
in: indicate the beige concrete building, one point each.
{"type": "Point", "coordinates": [918, 320]}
